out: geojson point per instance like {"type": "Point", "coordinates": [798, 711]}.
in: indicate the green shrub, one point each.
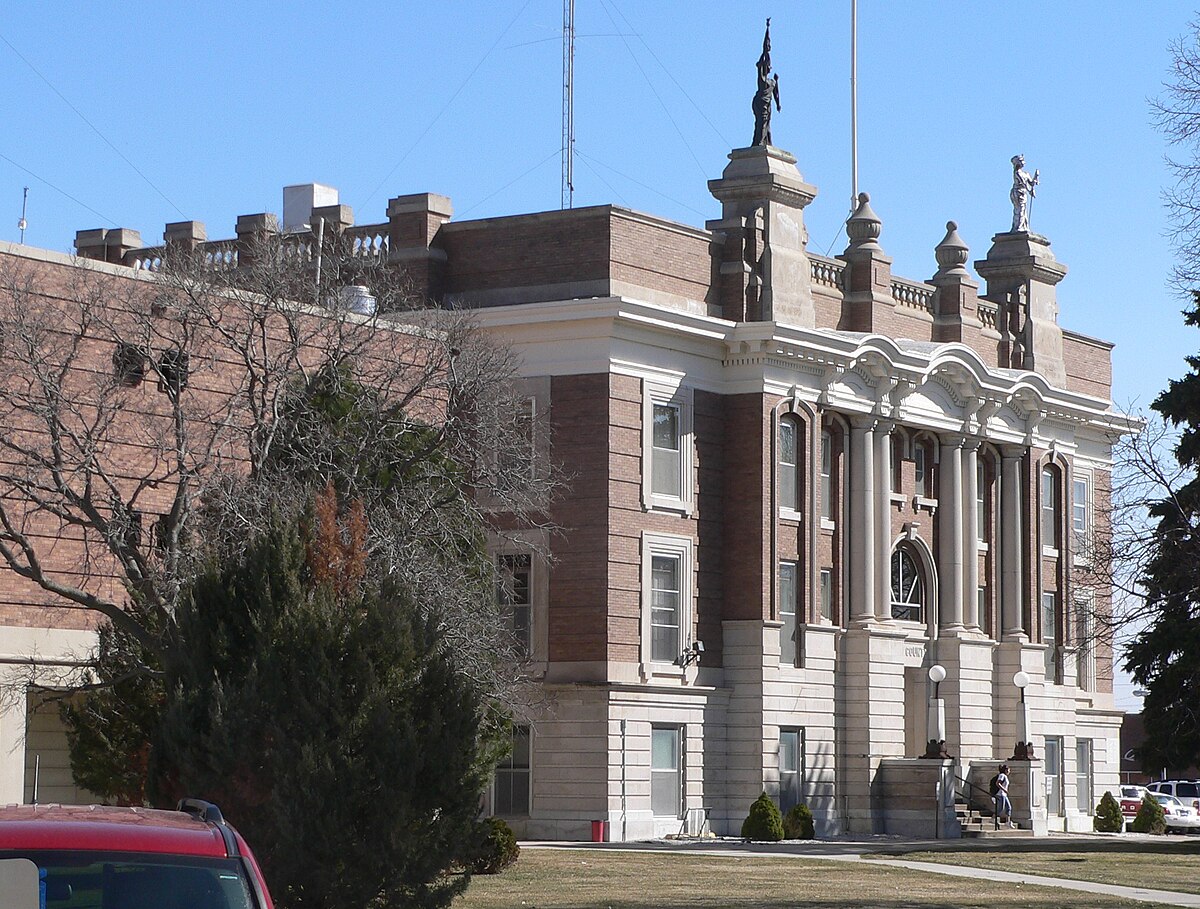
{"type": "Point", "coordinates": [498, 850]}
{"type": "Point", "coordinates": [1108, 815]}
{"type": "Point", "coordinates": [764, 821]}
{"type": "Point", "coordinates": [798, 823]}
{"type": "Point", "coordinates": [1150, 817]}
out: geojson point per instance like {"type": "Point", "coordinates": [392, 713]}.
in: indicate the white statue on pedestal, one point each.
{"type": "Point", "coordinates": [1023, 190]}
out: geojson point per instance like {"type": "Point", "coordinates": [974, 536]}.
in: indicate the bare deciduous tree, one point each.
{"type": "Point", "coordinates": [143, 416]}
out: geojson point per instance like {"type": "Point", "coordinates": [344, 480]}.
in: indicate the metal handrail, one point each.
{"type": "Point", "coordinates": [988, 798]}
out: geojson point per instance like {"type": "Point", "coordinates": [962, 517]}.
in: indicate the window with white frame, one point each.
{"type": "Point", "coordinates": [666, 771]}
{"type": "Point", "coordinates": [515, 465]}
{"type": "Point", "coordinates": [827, 594]}
{"type": "Point", "coordinates": [1050, 507]}
{"type": "Point", "coordinates": [789, 464]}
{"type": "Point", "coordinates": [514, 595]}
{"type": "Point", "coordinates": [1083, 777]}
{"type": "Point", "coordinates": [789, 649]}
{"type": "Point", "coordinates": [511, 783]}
{"type": "Point", "coordinates": [1085, 643]}
{"type": "Point", "coordinates": [1081, 515]}
{"type": "Point", "coordinates": [921, 469]}
{"type": "Point", "coordinates": [667, 563]}
{"type": "Point", "coordinates": [981, 521]}
{"type": "Point", "coordinates": [1050, 633]}
{"type": "Point", "coordinates": [827, 475]}
{"type": "Point", "coordinates": [791, 768]}
{"type": "Point", "coordinates": [667, 457]}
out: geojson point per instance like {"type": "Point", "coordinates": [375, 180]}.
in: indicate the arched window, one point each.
{"type": "Point", "coordinates": [789, 463]}
{"type": "Point", "coordinates": [1051, 507]}
{"type": "Point", "coordinates": [908, 588]}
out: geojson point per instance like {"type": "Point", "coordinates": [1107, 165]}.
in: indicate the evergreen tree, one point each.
{"type": "Point", "coordinates": [764, 822]}
{"type": "Point", "coordinates": [328, 720]}
{"type": "Point", "coordinates": [108, 721]}
{"type": "Point", "coordinates": [1164, 658]}
{"type": "Point", "coordinates": [1108, 817]}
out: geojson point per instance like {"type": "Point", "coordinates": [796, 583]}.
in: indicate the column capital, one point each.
{"type": "Point", "coordinates": [1012, 452]}
{"type": "Point", "coordinates": [951, 440]}
{"type": "Point", "coordinates": [972, 443]}
{"type": "Point", "coordinates": [865, 421]}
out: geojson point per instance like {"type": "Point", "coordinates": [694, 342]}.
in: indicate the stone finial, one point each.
{"type": "Point", "coordinates": [951, 253]}
{"type": "Point", "coordinates": [863, 227]}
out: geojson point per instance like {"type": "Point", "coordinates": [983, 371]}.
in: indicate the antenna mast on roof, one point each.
{"type": "Point", "coordinates": [568, 105]}
{"type": "Point", "coordinates": [22, 223]}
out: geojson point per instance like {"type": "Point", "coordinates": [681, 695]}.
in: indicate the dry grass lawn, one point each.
{"type": "Point", "coordinates": [1161, 864]}
{"type": "Point", "coordinates": [587, 879]}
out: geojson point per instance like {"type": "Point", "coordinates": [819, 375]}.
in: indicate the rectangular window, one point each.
{"type": "Point", "coordinates": [1085, 645]}
{"type": "Point", "coordinates": [1053, 750]}
{"type": "Point", "coordinates": [511, 787]}
{"type": "Point", "coordinates": [1049, 509]}
{"type": "Point", "coordinates": [667, 449]}
{"type": "Point", "coordinates": [1080, 515]}
{"type": "Point", "coordinates": [919, 470]}
{"type": "Point", "coordinates": [515, 461]}
{"type": "Point", "coordinates": [1083, 776]}
{"type": "Point", "coordinates": [791, 768]}
{"type": "Point", "coordinates": [788, 453]}
{"type": "Point", "coordinates": [788, 645]}
{"type": "Point", "coordinates": [981, 521]}
{"type": "Point", "coordinates": [897, 478]}
{"type": "Point", "coordinates": [666, 771]}
{"type": "Point", "coordinates": [665, 596]}
{"type": "Point", "coordinates": [514, 594]}
{"type": "Point", "coordinates": [827, 475]}
{"type": "Point", "coordinates": [668, 588]}
{"type": "Point", "coordinates": [667, 473]}
{"type": "Point", "coordinates": [1050, 634]}
{"type": "Point", "coordinates": [827, 594]}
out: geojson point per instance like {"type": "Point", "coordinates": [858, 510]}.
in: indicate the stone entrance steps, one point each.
{"type": "Point", "coordinates": [980, 825]}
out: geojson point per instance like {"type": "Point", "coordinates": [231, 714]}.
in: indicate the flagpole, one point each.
{"type": "Point", "coordinates": [853, 104]}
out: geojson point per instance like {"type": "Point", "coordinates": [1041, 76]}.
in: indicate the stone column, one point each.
{"type": "Point", "coordinates": [883, 519]}
{"type": "Point", "coordinates": [862, 520]}
{"type": "Point", "coordinates": [1011, 536]}
{"type": "Point", "coordinates": [950, 534]}
{"type": "Point", "coordinates": [970, 519]}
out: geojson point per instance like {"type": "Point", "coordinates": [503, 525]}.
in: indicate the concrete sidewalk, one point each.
{"type": "Point", "coordinates": [1170, 897]}
{"type": "Point", "coordinates": [856, 850]}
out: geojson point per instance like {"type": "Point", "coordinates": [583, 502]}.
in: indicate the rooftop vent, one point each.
{"type": "Point", "coordinates": [300, 200]}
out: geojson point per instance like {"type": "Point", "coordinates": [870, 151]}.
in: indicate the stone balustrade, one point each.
{"type": "Point", "coordinates": [369, 241]}
{"type": "Point", "coordinates": [988, 314]}
{"type": "Point", "coordinates": [913, 295]}
{"type": "Point", "coordinates": [827, 272]}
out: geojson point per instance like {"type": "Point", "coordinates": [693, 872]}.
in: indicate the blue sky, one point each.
{"type": "Point", "coordinates": [148, 113]}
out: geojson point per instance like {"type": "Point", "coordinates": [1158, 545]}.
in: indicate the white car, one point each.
{"type": "Point", "coordinates": [1187, 791]}
{"type": "Point", "coordinates": [1177, 815]}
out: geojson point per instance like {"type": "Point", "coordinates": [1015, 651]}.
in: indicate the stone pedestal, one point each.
{"type": "Point", "coordinates": [967, 691]}
{"type": "Point", "coordinates": [916, 797]}
{"type": "Point", "coordinates": [870, 691]}
{"type": "Point", "coordinates": [765, 271]}
{"type": "Point", "coordinates": [1021, 273]}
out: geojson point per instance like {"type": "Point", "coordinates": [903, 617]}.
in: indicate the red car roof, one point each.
{"type": "Point", "coordinates": [101, 828]}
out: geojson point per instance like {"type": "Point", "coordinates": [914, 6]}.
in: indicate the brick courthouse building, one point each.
{"type": "Point", "coordinates": [797, 484]}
